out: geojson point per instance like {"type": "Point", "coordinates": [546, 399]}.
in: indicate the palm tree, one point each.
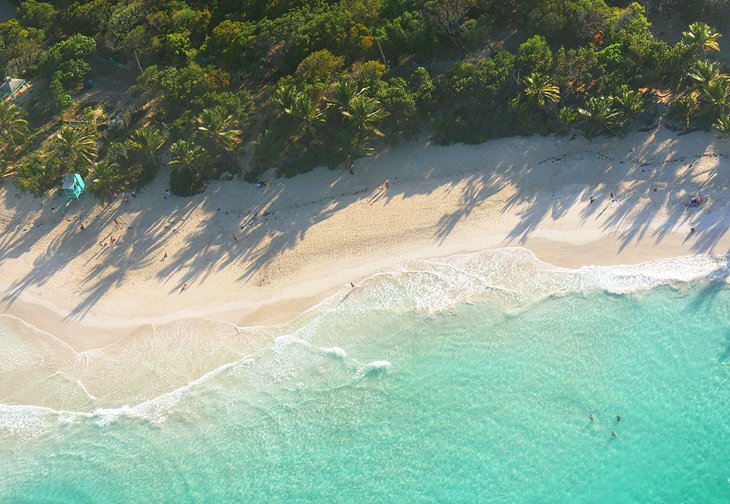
{"type": "Point", "coordinates": [186, 168]}
{"type": "Point", "coordinates": [715, 97]}
{"type": "Point", "coordinates": [599, 114]}
{"type": "Point", "coordinates": [722, 125]}
{"type": "Point", "coordinates": [108, 180]}
{"type": "Point", "coordinates": [77, 145]}
{"type": "Point", "coordinates": [268, 148]}
{"type": "Point", "coordinates": [146, 142]}
{"type": "Point", "coordinates": [343, 93]}
{"type": "Point", "coordinates": [361, 117]}
{"type": "Point", "coordinates": [632, 103]}
{"type": "Point", "coordinates": [363, 113]}
{"type": "Point", "coordinates": [539, 88]}
{"type": "Point", "coordinates": [702, 72]}
{"type": "Point", "coordinates": [220, 131]}
{"type": "Point", "coordinates": [7, 171]}
{"type": "Point", "coordinates": [186, 155]}
{"type": "Point", "coordinates": [702, 37]}
{"type": "Point", "coordinates": [353, 144]}
{"type": "Point", "coordinates": [14, 129]}
{"type": "Point", "coordinates": [284, 97]}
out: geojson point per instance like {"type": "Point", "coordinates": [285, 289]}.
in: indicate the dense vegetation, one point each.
{"type": "Point", "coordinates": [314, 82]}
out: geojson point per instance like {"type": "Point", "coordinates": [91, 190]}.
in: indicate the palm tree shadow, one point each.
{"type": "Point", "coordinates": [476, 192]}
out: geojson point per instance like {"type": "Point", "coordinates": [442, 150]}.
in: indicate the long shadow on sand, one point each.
{"type": "Point", "coordinates": [250, 232]}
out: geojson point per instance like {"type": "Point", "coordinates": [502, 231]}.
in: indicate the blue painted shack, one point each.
{"type": "Point", "coordinates": [73, 186]}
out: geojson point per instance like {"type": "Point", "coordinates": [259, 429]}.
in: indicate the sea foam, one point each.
{"type": "Point", "coordinates": [514, 275]}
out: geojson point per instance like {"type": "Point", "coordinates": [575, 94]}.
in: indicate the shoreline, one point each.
{"type": "Point", "coordinates": [261, 257]}
{"type": "Point", "coordinates": [99, 332]}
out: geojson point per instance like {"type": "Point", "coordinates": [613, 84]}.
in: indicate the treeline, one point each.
{"type": "Point", "coordinates": [314, 82]}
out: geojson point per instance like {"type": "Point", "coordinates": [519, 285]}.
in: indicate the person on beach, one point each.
{"type": "Point", "coordinates": [352, 285]}
{"type": "Point", "coordinates": [112, 240]}
{"type": "Point", "coordinates": [379, 190]}
{"type": "Point", "coordinates": [165, 256]}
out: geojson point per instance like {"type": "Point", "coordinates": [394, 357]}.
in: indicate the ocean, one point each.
{"type": "Point", "coordinates": [490, 377]}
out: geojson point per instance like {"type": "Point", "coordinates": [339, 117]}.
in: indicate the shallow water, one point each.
{"type": "Point", "coordinates": [468, 380]}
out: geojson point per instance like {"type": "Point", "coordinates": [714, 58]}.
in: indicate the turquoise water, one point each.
{"type": "Point", "coordinates": [374, 398]}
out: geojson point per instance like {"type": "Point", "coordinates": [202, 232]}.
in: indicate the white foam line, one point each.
{"type": "Point", "coordinates": [653, 273]}
{"type": "Point", "coordinates": [41, 331]}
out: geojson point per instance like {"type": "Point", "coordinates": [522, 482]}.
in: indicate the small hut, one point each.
{"type": "Point", "coordinates": [73, 186]}
{"type": "Point", "coordinates": [10, 87]}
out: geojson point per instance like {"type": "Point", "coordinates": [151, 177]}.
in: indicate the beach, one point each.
{"type": "Point", "coordinates": [527, 320]}
{"type": "Point", "coordinates": [257, 256]}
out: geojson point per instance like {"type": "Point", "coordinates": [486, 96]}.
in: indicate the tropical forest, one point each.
{"type": "Point", "coordinates": [123, 91]}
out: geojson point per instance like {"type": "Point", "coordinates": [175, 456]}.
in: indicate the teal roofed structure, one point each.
{"type": "Point", "coordinates": [10, 86]}
{"type": "Point", "coordinates": [73, 186]}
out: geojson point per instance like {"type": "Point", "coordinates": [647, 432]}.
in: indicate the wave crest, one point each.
{"type": "Point", "coordinates": [515, 276]}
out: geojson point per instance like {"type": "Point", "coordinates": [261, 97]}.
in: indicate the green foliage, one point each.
{"type": "Point", "coordinates": [177, 88]}
{"type": "Point", "coordinates": [568, 22]}
{"type": "Point", "coordinates": [176, 49]}
{"type": "Point", "coordinates": [218, 134]}
{"type": "Point", "coordinates": [76, 147]}
{"type": "Point", "coordinates": [632, 103]}
{"type": "Point", "coordinates": [406, 34]}
{"type": "Point", "coordinates": [444, 16]}
{"type": "Point", "coordinates": [468, 95]}
{"type": "Point", "coordinates": [422, 87]}
{"type": "Point", "coordinates": [540, 90]}
{"type": "Point", "coordinates": [14, 130]}
{"type": "Point", "coordinates": [684, 108]}
{"type": "Point", "coordinates": [599, 115]}
{"type": "Point", "coordinates": [107, 180]}
{"type": "Point", "coordinates": [722, 125]}
{"type": "Point", "coordinates": [20, 46]}
{"type": "Point", "coordinates": [186, 168]}
{"type": "Point", "coordinates": [534, 55]}
{"type": "Point", "coordinates": [72, 71]}
{"type": "Point", "coordinates": [76, 47]}
{"type": "Point", "coordinates": [61, 99]}
{"type": "Point", "coordinates": [36, 14]}
{"type": "Point", "coordinates": [320, 66]}
{"type": "Point", "coordinates": [400, 106]}
{"type": "Point", "coordinates": [141, 150]}
{"type": "Point", "coordinates": [37, 174]}
{"type": "Point", "coordinates": [334, 80]}
{"type": "Point", "coordinates": [701, 37]}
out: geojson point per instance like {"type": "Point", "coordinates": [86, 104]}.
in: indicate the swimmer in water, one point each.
{"type": "Point", "coordinates": [613, 433]}
{"type": "Point", "coordinates": [618, 418]}
{"type": "Point", "coordinates": [592, 417]}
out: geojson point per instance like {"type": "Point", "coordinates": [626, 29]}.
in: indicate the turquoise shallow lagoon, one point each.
{"type": "Point", "coordinates": [373, 397]}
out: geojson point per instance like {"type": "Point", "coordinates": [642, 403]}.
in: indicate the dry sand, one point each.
{"type": "Point", "coordinates": [251, 255]}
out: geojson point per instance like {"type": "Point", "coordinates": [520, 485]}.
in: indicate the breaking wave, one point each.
{"type": "Point", "coordinates": [179, 359]}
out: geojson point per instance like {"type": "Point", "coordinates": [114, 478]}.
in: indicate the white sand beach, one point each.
{"type": "Point", "coordinates": [253, 255]}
